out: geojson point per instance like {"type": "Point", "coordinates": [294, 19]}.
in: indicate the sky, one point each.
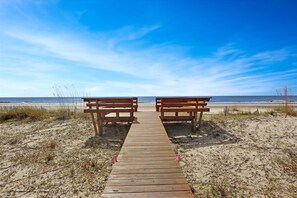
{"type": "Point", "coordinates": [147, 47]}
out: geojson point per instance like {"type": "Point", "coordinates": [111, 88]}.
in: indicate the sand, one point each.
{"type": "Point", "coordinates": [230, 156]}
{"type": "Point", "coordinates": [240, 156]}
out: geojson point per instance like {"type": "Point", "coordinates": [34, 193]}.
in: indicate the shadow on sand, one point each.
{"type": "Point", "coordinates": [209, 134]}
{"type": "Point", "coordinates": [113, 137]}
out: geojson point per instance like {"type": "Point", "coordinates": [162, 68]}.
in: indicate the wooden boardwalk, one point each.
{"type": "Point", "coordinates": [147, 165]}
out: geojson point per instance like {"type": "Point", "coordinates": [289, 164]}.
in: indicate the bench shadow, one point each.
{"type": "Point", "coordinates": [113, 137]}
{"type": "Point", "coordinates": [209, 134]}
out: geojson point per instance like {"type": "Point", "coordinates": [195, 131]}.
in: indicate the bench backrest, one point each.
{"type": "Point", "coordinates": [110, 110]}
{"type": "Point", "coordinates": [187, 105]}
{"type": "Point", "coordinates": [181, 102]}
{"type": "Point", "coordinates": [111, 104]}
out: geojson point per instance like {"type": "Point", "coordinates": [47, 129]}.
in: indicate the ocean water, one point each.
{"type": "Point", "coordinates": [214, 99]}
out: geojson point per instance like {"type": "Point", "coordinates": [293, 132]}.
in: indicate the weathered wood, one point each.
{"type": "Point", "coordinates": [145, 176]}
{"type": "Point", "coordinates": [186, 110]}
{"type": "Point", "coordinates": [182, 109]}
{"type": "Point", "coordinates": [147, 188]}
{"type": "Point", "coordinates": [174, 194]}
{"type": "Point", "coordinates": [114, 100]}
{"type": "Point", "coordinates": [147, 165]}
{"type": "Point", "coordinates": [131, 182]}
{"type": "Point", "coordinates": [94, 123]}
{"type": "Point", "coordinates": [110, 110]}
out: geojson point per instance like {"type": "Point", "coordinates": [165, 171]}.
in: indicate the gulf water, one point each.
{"type": "Point", "coordinates": [151, 99]}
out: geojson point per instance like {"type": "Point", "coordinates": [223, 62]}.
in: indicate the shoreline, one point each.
{"type": "Point", "coordinates": [215, 108]}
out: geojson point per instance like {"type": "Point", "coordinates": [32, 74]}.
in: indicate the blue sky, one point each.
{"type": "Point", "coordinates": [147, 47]}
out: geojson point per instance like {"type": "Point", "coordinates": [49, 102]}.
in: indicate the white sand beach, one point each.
{"type": "Point", "coordinates": [237, 155]}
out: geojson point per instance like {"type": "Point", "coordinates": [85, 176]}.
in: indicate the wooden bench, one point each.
{"type": "Point", "coordinates": [158, 104]}
{"type": "Point", "coordinates": [182, 109]}
{"type": "Point", "coordinates": [110, 110]}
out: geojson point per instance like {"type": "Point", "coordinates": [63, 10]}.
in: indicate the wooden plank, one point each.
{"type": "Point", "coordinates": [109, 99]}
{"type": "Point", "coordinates": [178, 99]}
{"type": "Point", "coordinates": [145, 145]}
{"type": "Point", "coordinates": [147, 165]}
{"type": "Point", "coordinates": [185, 110]}
{"type": "Point", "coordinates": [111, 105]}
{"type": "Point", "coordinates": [183, 104]}
{"type": "Point", "coordinates": [173, 194]}
{"type": "Point", "coordinates": [148, 143]}
{"type": "Point", "coordinates": [135, 182]}
{"type": "Point", "coordinates": [147, 188]}
{"type": "Point", "coordinates": [142, 162]}
{"type": "Point", "coordinates": [141, 151]}
{"type": "Point", "coordinates": [131, 158]}
{"type": "Point", "coordinates": [108, 110]}
{"type": "Point", "coordinates": [144, 150]}
{"type": "Point", "coordinates": [147, 171]}
{"type": "Point", "coordinates": [146, 155]}
{"type": "Point", "coordinates": [141, 176]}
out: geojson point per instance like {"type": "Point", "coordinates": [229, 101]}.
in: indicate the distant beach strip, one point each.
{"type": "Point", "coordinates": [151, 99]}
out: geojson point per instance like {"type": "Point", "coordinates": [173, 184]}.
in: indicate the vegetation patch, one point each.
{"type": "Point", "coordinates": [22, 113]}
{"type": "Point", "coordinates": [37, 114]}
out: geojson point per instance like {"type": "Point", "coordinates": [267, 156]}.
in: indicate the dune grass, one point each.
{"type": "Point", "coordinates": [21, 113]}
{"type": "Point", "coordinates": [36, 113]}
{"type": "Point", "coordinates": [288, 110]}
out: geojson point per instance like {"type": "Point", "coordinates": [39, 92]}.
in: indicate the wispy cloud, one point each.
{"type": "Point", "coordinates": [42, 57]}
{"type": "Point", "coordinates": [178, 75]}
{"type": "Point", "coordinates": [132, 33]}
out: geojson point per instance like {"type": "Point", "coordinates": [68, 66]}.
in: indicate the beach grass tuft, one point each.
{"type": "Point", "coordinates": [36, 113]}
{"type": "Point", "coordinates": [288, 110]}
{"type": "Point", "coordinates": [22, 113]}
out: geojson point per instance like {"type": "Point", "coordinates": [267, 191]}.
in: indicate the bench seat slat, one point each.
{"type": "Point", "coordinates": [182, 104]}
{"type": "Point", "coordinates": [177, 118]}
{"type": "Point", "coordinates": [110, 105]}
{"type": "Point", "coordinates": [108, 110]}
{"type": "Point", "coordinates": [184, 110]}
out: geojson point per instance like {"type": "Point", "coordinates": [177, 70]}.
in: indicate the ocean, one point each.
{"type": "Point", "coordinates": [141, 99]}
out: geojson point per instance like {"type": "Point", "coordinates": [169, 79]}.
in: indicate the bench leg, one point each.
{"type": "Point", "coordinates": [194, 122]}
{"type": "Point", "coordinates": [199, 122]}
{"type": "Point", "coordinates": [94, 123]}
{"type": "Point", "coordinates": [100, 124]}
{"type": "Point", "coordinates": [193, 125]}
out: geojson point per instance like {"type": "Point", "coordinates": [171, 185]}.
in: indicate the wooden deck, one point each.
{"type": "Point", "coordinates": [147, 165]}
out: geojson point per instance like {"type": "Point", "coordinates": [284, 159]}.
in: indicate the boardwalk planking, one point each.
{"type": "Point", "coordinates": [147, 166]}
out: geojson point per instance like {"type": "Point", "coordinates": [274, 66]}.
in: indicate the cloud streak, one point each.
{"type": "Point", "coordinates": [180, 75]}
{"type": "Point", "coordinates": [48, 57]}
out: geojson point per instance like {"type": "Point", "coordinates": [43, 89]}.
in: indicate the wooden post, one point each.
{"type": "Point", "coordinates": [195, 121]}
{"type": "Point", "coordinates": [100, 123]}
{"type": "Point", "coordinates": [199, 122]}
{"type": "Point", "coordinates": [193, 125]}
{"type": "Point", "coordinates": [94, 123]}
